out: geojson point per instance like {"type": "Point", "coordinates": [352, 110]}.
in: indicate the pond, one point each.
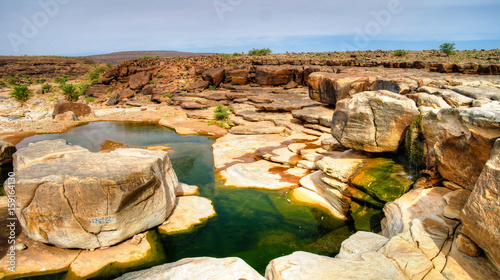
{"type": "Point", "coordinates": [255, 225]}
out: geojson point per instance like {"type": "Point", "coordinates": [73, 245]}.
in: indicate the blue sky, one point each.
{"type": "Point", "coordinates": [73, 27]}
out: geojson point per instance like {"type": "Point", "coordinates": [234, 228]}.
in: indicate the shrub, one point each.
{"type": "Point", "coordinates": [14, 81]}
{"type": "Point", "coordinates": [46, 88]}
{"type": "Point", "coordinates": [159, 75]}
{"type": "Point", "coordinates": [400, 53]}
{"type": "Point", "coordinates": [89, 99]}
{"type": "Point", "coordinates": [169, 95]}
{"type": "Point", "coordinates": [212, 88]}
{"type": "Point", "coordinates": [96, 74]}
{"type": "Point", "coordinates": [83, 88]}
{"type": "Point", "coordinates": [109, 89]}
{"type": "Point", "coordinates": [2, 83]}
{"type": "Point", "coordinates": [236, 54]}
{"type": "Point", "coordinates": [224, 55]}
{"type": "Point", "coordinates": [264, 51]}
{"type": "Point", "coordinates": [145, 57]}
{"type": "Point", "coordinates": [21, 93]}
{"type": "Point", "coordinates": [40, 81]}
{"type": "Point", "coordinates": [222, 113]}
{"type": "Point", "coordinates": [109, 65]}
{"type": "Point", "coordinates": [151, 82]}
{"type": "Point", "coordinates": [70, 91]}
{"type": "Point", "coordinates": [61, 80]}
{"type": "Point", "coordinates": [447, 48]}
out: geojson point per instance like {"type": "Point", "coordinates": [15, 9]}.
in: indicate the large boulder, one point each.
{"type": "Point", "coordinates": [459, 142]}
{"type": "Point", "coordinates": [138, 80]}
{"type": "Point", "coordinates": [79, 109]}
{"type": "Point", "coordinates": [198, 86]}
{"type": "Point", "coordinates": [274, 75]}
{"type": "Point", "coordinates": [373, 121]}
{"type": "Point", "coordinates": [329, 88]}
{"type": "Point", "coordinates": [6, 152]}
{"type": "Point", "coordinates": [214, 76]}
{"type": "Point", "coordinates": [198, 268]}
{"type": "Point", "coordinates": [481, 212]}
{"type": "Point", "coordinates": [72, 198]}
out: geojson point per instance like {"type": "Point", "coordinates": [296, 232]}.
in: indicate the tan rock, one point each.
{"type": "Point", "coordinates": [456, 201]}
{"type": "Point", "coordinates": [256, 129]}
{"type": "Point", "coordinates": [482, 209]}
{"type": "Point", "coordinates": [307, 266]}
{"type": "Point", "coordinates": [262, 174]}
{"type": "Point", "coordinates": [434, 274]}
{"type": "Point", "coordinates": [189, 212]}
{"type": "Point", "coordinates": [467, 246]}
{"type": "Point", "coordinates": [410, 260]}
{"type": "Point", "coordinates": [308, 197]}
{"type": "Point", "coordinates": [280, 155]}
{"type": "Point", "coordinates": [329, 88]}
{"type": "Point", "coordinates": [359, 243]}
{"type": "Point", "coordinates": [430, 233]}
{"type": "Point", "coordinates": [185, 190]}
{"type": "Point", "coordinates": [198, 268]}
{"type": "Point", "coordinates": [66, 116]}
{"type": "Point", "coordinates": [373, 121]}
{"type": "Point", "coordinates": [338, 167]}
{"type": "Point", "coordinates": [184, 126]}
{"type": "Point", "coordinates": [118, 259]}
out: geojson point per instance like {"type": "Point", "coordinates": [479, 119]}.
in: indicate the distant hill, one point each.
{"type": "Point", "coordinates": [117, 57]}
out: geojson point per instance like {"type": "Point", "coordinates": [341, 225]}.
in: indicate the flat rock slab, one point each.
{"type": "Point", "coordinates": [456, 201]}
{"type": "Point", "coordinates": [359, 243]}
{"type": "Point", "coordinates": [315, 115]}
{"type": "Point", "coordinates": [185, 190]}
{"type": "Point", "coordinates": [118, 259]}
{"type": "Point", "coordinates": [198, 268]}
{"type": "Point", "coordinates": [280, 155]}
{"type": "Point", "coordinates": [232, 149]}
{"type": "Point", "coordinates": [256, 129]}
{"type": "Point", "coordinates": [308, 197]}
{"type": "Point", "coordinates": [185, 126]}
{"type": "Point", "coordinates": [189, 212]}
{"type": "Point", "coordinates": [262, 175]}
{"type": "Point", "coordinates": [286, 102]}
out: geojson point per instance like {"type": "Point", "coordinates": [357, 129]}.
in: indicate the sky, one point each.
{"type": "Point", "coordinates": [76, 27]}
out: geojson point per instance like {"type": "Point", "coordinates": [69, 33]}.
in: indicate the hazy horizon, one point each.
{"type": "Point", "coordinates": [81, 28]}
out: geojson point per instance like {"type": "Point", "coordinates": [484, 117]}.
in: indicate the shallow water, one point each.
{"type": "Point", "coordinates": [254, 225]}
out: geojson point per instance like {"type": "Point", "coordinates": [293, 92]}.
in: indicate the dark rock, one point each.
{"type": "Point", "coordinates": [138, 80]}
{"type": "Point", "coordinates": [214, 76]}
{"type": "Point", "coordinates": [125, 94]}
{"type": "Point", "coordinates": [6, 152]}
{"type": "Point", "coordinates": [201, 85]}
{"type": "Point", "coordinates": [291, 84]}
{"type": "Point", "coordinates": [148, 89]}
{"type": "Point", "coordinates": [274, 75]}
{"type": "Point", "coordinates": [79, 109]}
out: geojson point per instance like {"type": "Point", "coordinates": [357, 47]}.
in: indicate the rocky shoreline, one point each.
{"type": "Point", "coordinates": [324, 131]}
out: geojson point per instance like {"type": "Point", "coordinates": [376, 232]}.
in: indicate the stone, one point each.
{"type": "Point", "coordinates": [239, 77]}
{"type": "Point", "coordinates": [309, 197]}
{"type": "Point", "coordinates": [198, 268]}
{"type": "Point", "coordinates": [428, 100]}
{"type": "Point", "coordinates": [262, 174]}
{"type": "Point", "coordinates": [431, 233]}
{"type": "Point", "coordinates": [274, 75]}
{"type": "Point", "coordinates": [214, 76]}
{"type": "Point", "coordinates": [329, 88]}
{"type": "Point", "coordinates": [185, 126]}
{"type": "Point", "coordinates": [190, 212]}
{"type": "Point", "coordinates": [66, 116]}
{"type": "Point", "coordinates": [313, 114]}
{"type": "Point", "coordinates": [373, 121]}
{"type": "Point", "coordinates": [359, 243]}
{"type": "Point", "coordinates": [28, 263]}
{"type": "Point", "coordinates": [415, 204]}
{"type": "Point", "coordinates": [454, 99]}
{"type": "Point", "coordinates": [256, 129]}
{"type": "Point", "coordinates": [277, 102]}
{"type": "Point", "coordinates": [140, 79]}
{"type": "Point", "coordinates": [280, 155]}
{"type": "Point", "coordinates": [291, 84]}
{"type": "Point", "coordinates": [331, 144]}
{"type": "Point", "coordinates": [381, 178]}
{"type": "Point", "coordinates": [365, 216]}
{"type": "Point", "coordinates": [306, 266]}
{"type": "Point", "coordinates": [410, 260]}
{"type": "Point", "coordinates": [6, 152]}
{"type": "Point", "coordinates": [185, 189]}
{"type": "Point", "coordinates": [467, 246]}
{"type": "Point", "coordinates": [489, 92]}
{"type": "Point", "coordinates": [311, 155]}
{"type": "Point", "coordinates": [118, 259]}
{"type": "Point", "coordinates": [456, 201]}
{"type": "Point", "coordinates": [459, 142]}
{"type": "Point", "coordinates": [340, 168]}
{"type": "Point", "coordinates": [452, 186]}
{"type": "Point", "coordinates": [482, 209]}
{"type": "Point", "coordinates": [72, 198]}
{"type": "Point", "coordinates": [201, 85]}
{"type": "Point", "coordinates": [125, 94]}
{"type": "Point", "coordinates": [79, 109]}
{"type": "Point", "coordinates": [396, 85]}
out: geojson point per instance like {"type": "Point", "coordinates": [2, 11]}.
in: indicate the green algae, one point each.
{"type": "Point", "coordinates": [383, 179]}
{"type": "Point", "coordinates": [414, 144]}
{"type": "Point", "coordinates": [366, 218]}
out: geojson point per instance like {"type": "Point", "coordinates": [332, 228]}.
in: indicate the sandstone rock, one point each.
{"type": "Point", "coordinates": [482, 209]}
{"type": "Point", "coordinates": [256, 129]}
{"type": "Point", "coordinates": [138, 80]}
{"type": "Point", "coordinates": [193, 106]}
{"type": "Point", "coordinates": [274, 75]}
{"type": "Point", "coordinates": [431, 233]}
{"type": "Point", "coordinates": [340, 168]}
{"type": "Point", "coordinates": [37, 255]}
{"type": "Point", "coordinates": [214, 76]}
{"type": "Point", "coordinates": [313, 114]}
{"type": "Point", "coordinates": [198, 268]}
{"type": "Point", "coordinates": [467, 246]}
{"type": "Point", "coordinates": [291, 84]}
{"type": "Point", "coordinates": [489, 92]}
{"type": "Point", "coordinates": [262, 174]}
{"type": "Point", "coordinates": [334, 196]}
{"type": "Point", "coordinates": [306, 266]}
{"type": "Point", "coordinates": [280, 155]}
{"type": "Point", "coordinates": [456, 201]}
{"type": "Point", "coordinates": [184, 126]}
{"type": "Point", "coordinates": [189, 212]}
{"type": "Point", "coordinates": [459, 142]}
{"type": "Point", "coordinates": [185, 189]}
{"type": "Point", "coordinates": [454, 99]}
{"type": "Point", "coordinates": [396, 85]}
{"type": "Point", "coordinates": [359, 243]}
{"type": "Point", "coordinates": [331, 144]}
{"type": "Point", "coordinates": [6, 152]}
{"type": "Point", "coordinates": [239, 76]}
{"type": "Point", "coordinates": [79, 109]}
{"type": "Point", "coordinates": [118, 259]}
{"type": "Point", "coordinates": [329, 88]}
{"type": "Point", "coordinates": [428, 100]}
{"type": "Point", "coordinates": [125, 94]}
{"type": "Point", "coordinates": [67, 116]}
{"type": "Point", "coordinates": [416, 204]}
{"type": "Point", "coordinates": [410, 260]}
{"type": "Point", "coordinates": [309, 197]}
{"type": "Point", "coordinates": [373, 121]}
{"type": "Point", "coordinates": [197, 86]}
{"type": "Point", "coordinates": [89, 200]}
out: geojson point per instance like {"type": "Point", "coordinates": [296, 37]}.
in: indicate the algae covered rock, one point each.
{"type": "Point", "coordinates": [382, 178]}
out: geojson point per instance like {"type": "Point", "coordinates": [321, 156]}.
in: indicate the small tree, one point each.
{"type": "Point", "coordinates": [448, 48]}
{"type": "Point", "coordinates": [70, 91]}
{"type": "Point", "coordinates": [46, 88]}
{"type": "Point", "coordinates": [21, 94]}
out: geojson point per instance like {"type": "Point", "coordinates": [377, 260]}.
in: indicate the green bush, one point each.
{"type": "Point", "coordinates": [447, 48]}
{"type": "Point", "coordinates": [151, 82]}
{"type": "Point", "coordinates": [14, 81]}
{"type": "Point", "coordinates": [145, 57]}
{"type": "Point", "coordinates": [399, 53]}
{"type": "Point", "coordinates": [110, 89]}
{"type": "Point", "coordinates": [40, 81]}
{"type": "Point", "coordinates": [96, 74]}
{"type": "Point", "coordinates": [264, 51]}
{"type": "Point", "coordinates": [236, 54]}
{"type": "Point", "coordinates": [89, 99]}
{"type": "Point", "coordinates": [21, 93]}
{"type": "Point", "coordinates": [109, 65]}
{"type": "Point", "coordinates": [83, 88]}
{"type": "Point", "coordinates": [2, 83]}
{"type": "Point", "coordinates": [222, 113]}
{"type": "Point", "coordinates": [70, 91]}
{"type": "Point", "coordinates": [46, 88]}
{"type": "Point", "coordinates": [159, 75]}
{"type": "Point", "coordinates": [224, 55]}
{"type": "Point", "coordinates": [212, 88]}
{"type": "Point", "coordinates": [61, 80]}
